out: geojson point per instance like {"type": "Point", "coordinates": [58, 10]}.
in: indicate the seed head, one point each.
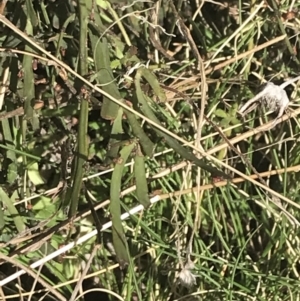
{"type": "Point", "coordinates": [273, 97]}
{"type": "Point", "coordinates": [186, 277]}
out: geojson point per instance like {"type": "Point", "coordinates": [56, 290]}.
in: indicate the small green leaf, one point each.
{"type": "Point", "coordinates": [42, 203]}
{"type": "Point", "coordinates": [115, 64]}
{"type": "Point", "coordinates": [13, 211]}
{"type": "Point", "coordinates": [34, 174]}
{"type": "Point", "coordinates": [234, 120]}
{"type": "Point", "coordinates": [221, 113]}
{"type": "Point", "coordinates": [224, 123]}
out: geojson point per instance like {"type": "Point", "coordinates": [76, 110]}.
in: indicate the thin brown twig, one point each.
{"type": "Point", "coordinates": [84, 272]}
{"type": "Point", "coordinates": [2, 294]}
{"type": "Point", "coordinates": [186, 33]}
{"type": "Point", "coordinates": [155, 40]}
{"type": "Point", "coordinates": [2, 6]}
{"type": "Point", "coordinates": [34, 284]}
{"type": "Point", "coordinates": [237, 180]}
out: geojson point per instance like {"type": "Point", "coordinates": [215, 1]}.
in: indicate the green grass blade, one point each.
{"type": "Point", "coordinates": [28, 86]}
{"type": "Point", "coordinates": [19, 152]}
{"type": "Point", "coordinates": [10, 154]}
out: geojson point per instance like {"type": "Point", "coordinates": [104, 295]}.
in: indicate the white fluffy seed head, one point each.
{"type": "Point", "coordinates": [186, 277]}
{"type": "Point", "coordinates": [275, 98]}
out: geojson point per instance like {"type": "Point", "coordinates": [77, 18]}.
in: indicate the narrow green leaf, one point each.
{"type": "Point", "coordinates": [31, 14]}
{"type": "Point", "coordinates": [119, 239]}
{"type": "Point", "coordinates": [2, 221]}
{"type": "Point", "coordinates": [28, 86]}
{"type": "Point", "coordinates": [140, 179]}
{"type": "Point", "coordinates": [10, 154]}
{"type": "Point", "coordinates": [154, 83]}
{"type": "Point", "coordinates": [116, 133]}
{"type": "Point", "coordinates": [105, 77]}
{"type": "Point", "coordinates": [146, 143]}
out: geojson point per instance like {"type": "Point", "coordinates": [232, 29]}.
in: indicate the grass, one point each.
{"type": "Point", "coordinates": [126, 171]}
